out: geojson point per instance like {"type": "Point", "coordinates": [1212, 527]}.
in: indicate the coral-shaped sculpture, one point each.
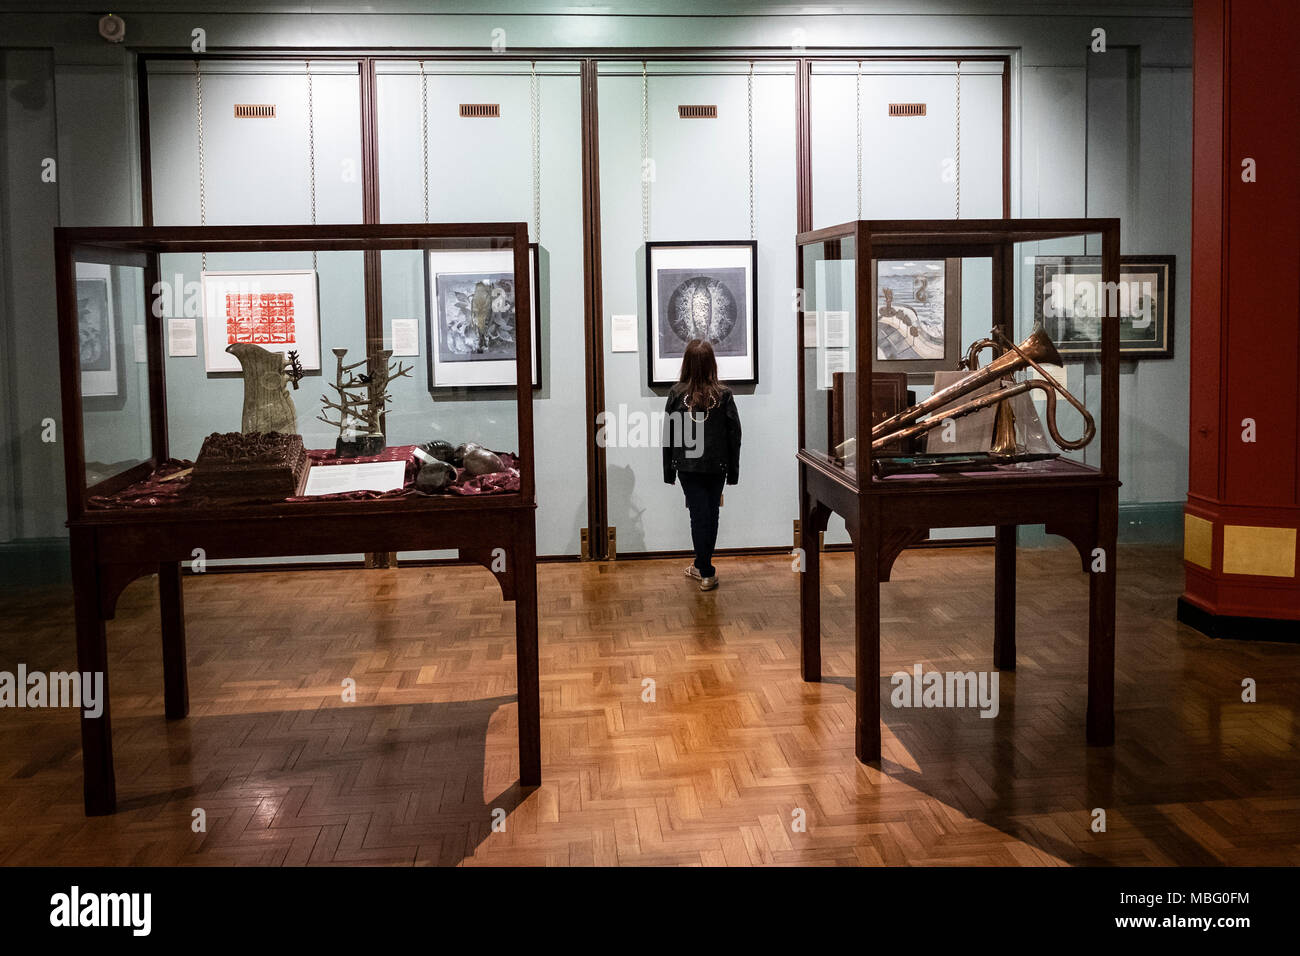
{"type": "Point", "coordinates": [360, 402]}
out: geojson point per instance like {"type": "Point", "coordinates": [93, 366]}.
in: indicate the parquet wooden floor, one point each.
{"type": "Point", "coordinates": [712, 771]}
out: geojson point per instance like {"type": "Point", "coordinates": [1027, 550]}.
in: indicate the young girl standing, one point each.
{"type": "Point", "coordinates": [702, 447]}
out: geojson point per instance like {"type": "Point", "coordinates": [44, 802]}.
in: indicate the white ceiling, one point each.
{"type": "Point", "coordinates": [622, 8]}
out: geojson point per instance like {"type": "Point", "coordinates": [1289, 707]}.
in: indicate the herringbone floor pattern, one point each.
{"type": "Point", "coordinates": [716, 770]}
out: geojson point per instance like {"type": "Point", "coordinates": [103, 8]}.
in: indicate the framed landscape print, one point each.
{"type": "Point", "coordinates": [702, 290]}
{"type": "Point", "coordinates": [276, 310]}
{"type": "Point", "coordinates": [471, 317]}
{"type": "Point", "coordinates": [101, 345]}
{"type": "Point", "coordinates": [918, 314]}
{"type": "Point", "coordinates": [1068, 297]}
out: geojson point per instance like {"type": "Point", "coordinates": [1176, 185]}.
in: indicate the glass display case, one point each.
{"type": "Point", "coordinates": [897, 323]}
{"type": "Point", "coordinates": [239, 392]}
{"type": "Point", "coordinates": [1016, 428]}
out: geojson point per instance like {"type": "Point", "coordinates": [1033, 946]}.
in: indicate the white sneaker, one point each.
{"type": "Point", "coordinates": [709, 584]}
{"type": "Point", "coordinates": [692, 572]}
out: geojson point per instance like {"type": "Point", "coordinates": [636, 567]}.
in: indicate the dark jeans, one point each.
{"type": "Point", "coordinates": [703, 498]}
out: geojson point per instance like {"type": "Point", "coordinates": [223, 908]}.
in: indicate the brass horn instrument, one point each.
{"type": "Point", "coordinates": [1035, 349]}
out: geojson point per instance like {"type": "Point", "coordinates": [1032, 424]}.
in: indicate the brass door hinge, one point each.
{"type": "Point", "coordinates": [584, 545]}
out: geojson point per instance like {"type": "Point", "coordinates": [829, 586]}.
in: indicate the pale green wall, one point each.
{"type": "Point", "coordinates": [73, 95]}
{"type": "Point", "coordinates": [701, 192]}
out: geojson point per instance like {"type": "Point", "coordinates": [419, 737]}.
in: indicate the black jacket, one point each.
{"type": "Point", "coordinates": [699, 442]}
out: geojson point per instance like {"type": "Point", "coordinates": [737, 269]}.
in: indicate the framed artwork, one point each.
{"type": "Point", "coordinates": [918, 314]}
{"type": "Point", "coordinates": [275, 309]}
{"type": "Point", "coordinates": [102, 347]}
{"type": "Point", "coordinates": [1068, 296]}
{"type": "Point", "coordinates": [702, 290]}
{"type": "Point", "coordinates": [471, 318]}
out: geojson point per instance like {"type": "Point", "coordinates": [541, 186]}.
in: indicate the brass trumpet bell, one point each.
{"type": "Point", "coordinates": [1034, 352]}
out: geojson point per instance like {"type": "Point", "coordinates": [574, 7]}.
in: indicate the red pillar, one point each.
{"type": "Point", "coordinates": [1243, 501]}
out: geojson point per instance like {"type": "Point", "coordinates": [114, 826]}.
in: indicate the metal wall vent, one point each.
{"type": "Point", "coordinates": [697, 112]}
{"type": "Point", "coordinates": [480, 110]}
{"type": "Point", "coordinates": [254, 111]}
{"type": "Point", "coordinates": [906, 109]}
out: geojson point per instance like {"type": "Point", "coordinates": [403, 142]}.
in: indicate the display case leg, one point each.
{"type": "Point", "coordinates": [99, 782]}
{"type": "Point", "coordinates": [810, 599]}
{"type": "Point", "coordinates": [1004, 598]}
{"type": "Point", "coordinates": [1101, 630]}
{"type": "Point", "coordinates": [530, 728]}
{"type": "Point", "coordinates": [176, 684]}
{"type": "Point", "coordinates": [867, 628]}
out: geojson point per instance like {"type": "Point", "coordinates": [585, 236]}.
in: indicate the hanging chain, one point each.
{"type": "Point", "coordinates": [198, 113]}
{"type": "Point", "coordinates": [311, 151]}
{"type": "Point", "coordinates": [957, 158]}
{"type": "Point", "coordinates": [751, 149]}
{"type": "Point", "coordinates": [424, 134]}
{"type": "Point", "coordinates": [858, 110]}
{"type": "Point", "coordinates": [645, 154]}
{"type": "Point", "coordinates": [535, 104]}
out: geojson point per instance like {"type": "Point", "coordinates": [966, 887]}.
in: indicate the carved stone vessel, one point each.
{"type": "Point", "coordinates": [267, 375]}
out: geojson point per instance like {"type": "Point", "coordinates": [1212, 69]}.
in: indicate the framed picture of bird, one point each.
{"type": "Point", "coordinates": [471, 320]}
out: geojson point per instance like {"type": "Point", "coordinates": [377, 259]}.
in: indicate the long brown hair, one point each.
{"type": "Point", "coordinates": [699, 379]}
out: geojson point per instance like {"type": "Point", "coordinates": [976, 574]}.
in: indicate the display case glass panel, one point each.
{"type": "Point", "coordinates": [175, 337]}
{"type": "Point", "coordinates": [450, 313]}
{"type": "Point", "coordinates": [1070, 304]}
{"type": "Point", "coordinates": [966, 379]}
{"type": "Point", "coordinates": [112, 359]}
{"type": "Point", "coordinates": [829, 348]}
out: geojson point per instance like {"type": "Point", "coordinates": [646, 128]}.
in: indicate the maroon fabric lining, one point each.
{"type": "Point", "coordinates": [153, 492]}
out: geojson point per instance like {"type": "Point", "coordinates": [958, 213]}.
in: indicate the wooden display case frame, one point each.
{"type": "Point", "coordinates": [112, 547]}
{"type": "Point", "coordinates": [885, 516]}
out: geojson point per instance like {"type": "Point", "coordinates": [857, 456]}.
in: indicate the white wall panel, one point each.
{"type": "Point", "coordinates": [480, 170]}
{"type": "Point", "coordinates": [1052, 138]}
{"type": "Point", "coordinates": [1155, 416]}
{"type": "Point", "coordinates": [701, 193]}
{"type": "Point", "coordinates": [909, 164]}
{"type": "Point", "coordinates": [30, 211]}
{"type": "Point", "coordinates": [257, 171]}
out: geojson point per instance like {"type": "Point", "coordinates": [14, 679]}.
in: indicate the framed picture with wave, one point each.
{"type": "Point", "coordinates": [702, 290]}
{"type": "Point", "coordinates": [918, 315]}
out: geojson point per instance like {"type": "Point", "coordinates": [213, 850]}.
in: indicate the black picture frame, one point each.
{"type": "Point", "coordinates": [431, 329]}
{"type": "Point", "coordinates": [1064, 329]}
{"type": "Point", "coordinates": [654, 326]}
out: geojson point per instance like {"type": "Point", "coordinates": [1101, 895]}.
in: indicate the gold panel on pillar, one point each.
{"type": "Point", "coordinates": [1198, 541]}
{"type": "Point", "coordinates": [1254, 550]}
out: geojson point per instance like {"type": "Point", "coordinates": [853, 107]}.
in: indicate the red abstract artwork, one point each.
{"type": "Point", "coordinates": [260, 317]}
